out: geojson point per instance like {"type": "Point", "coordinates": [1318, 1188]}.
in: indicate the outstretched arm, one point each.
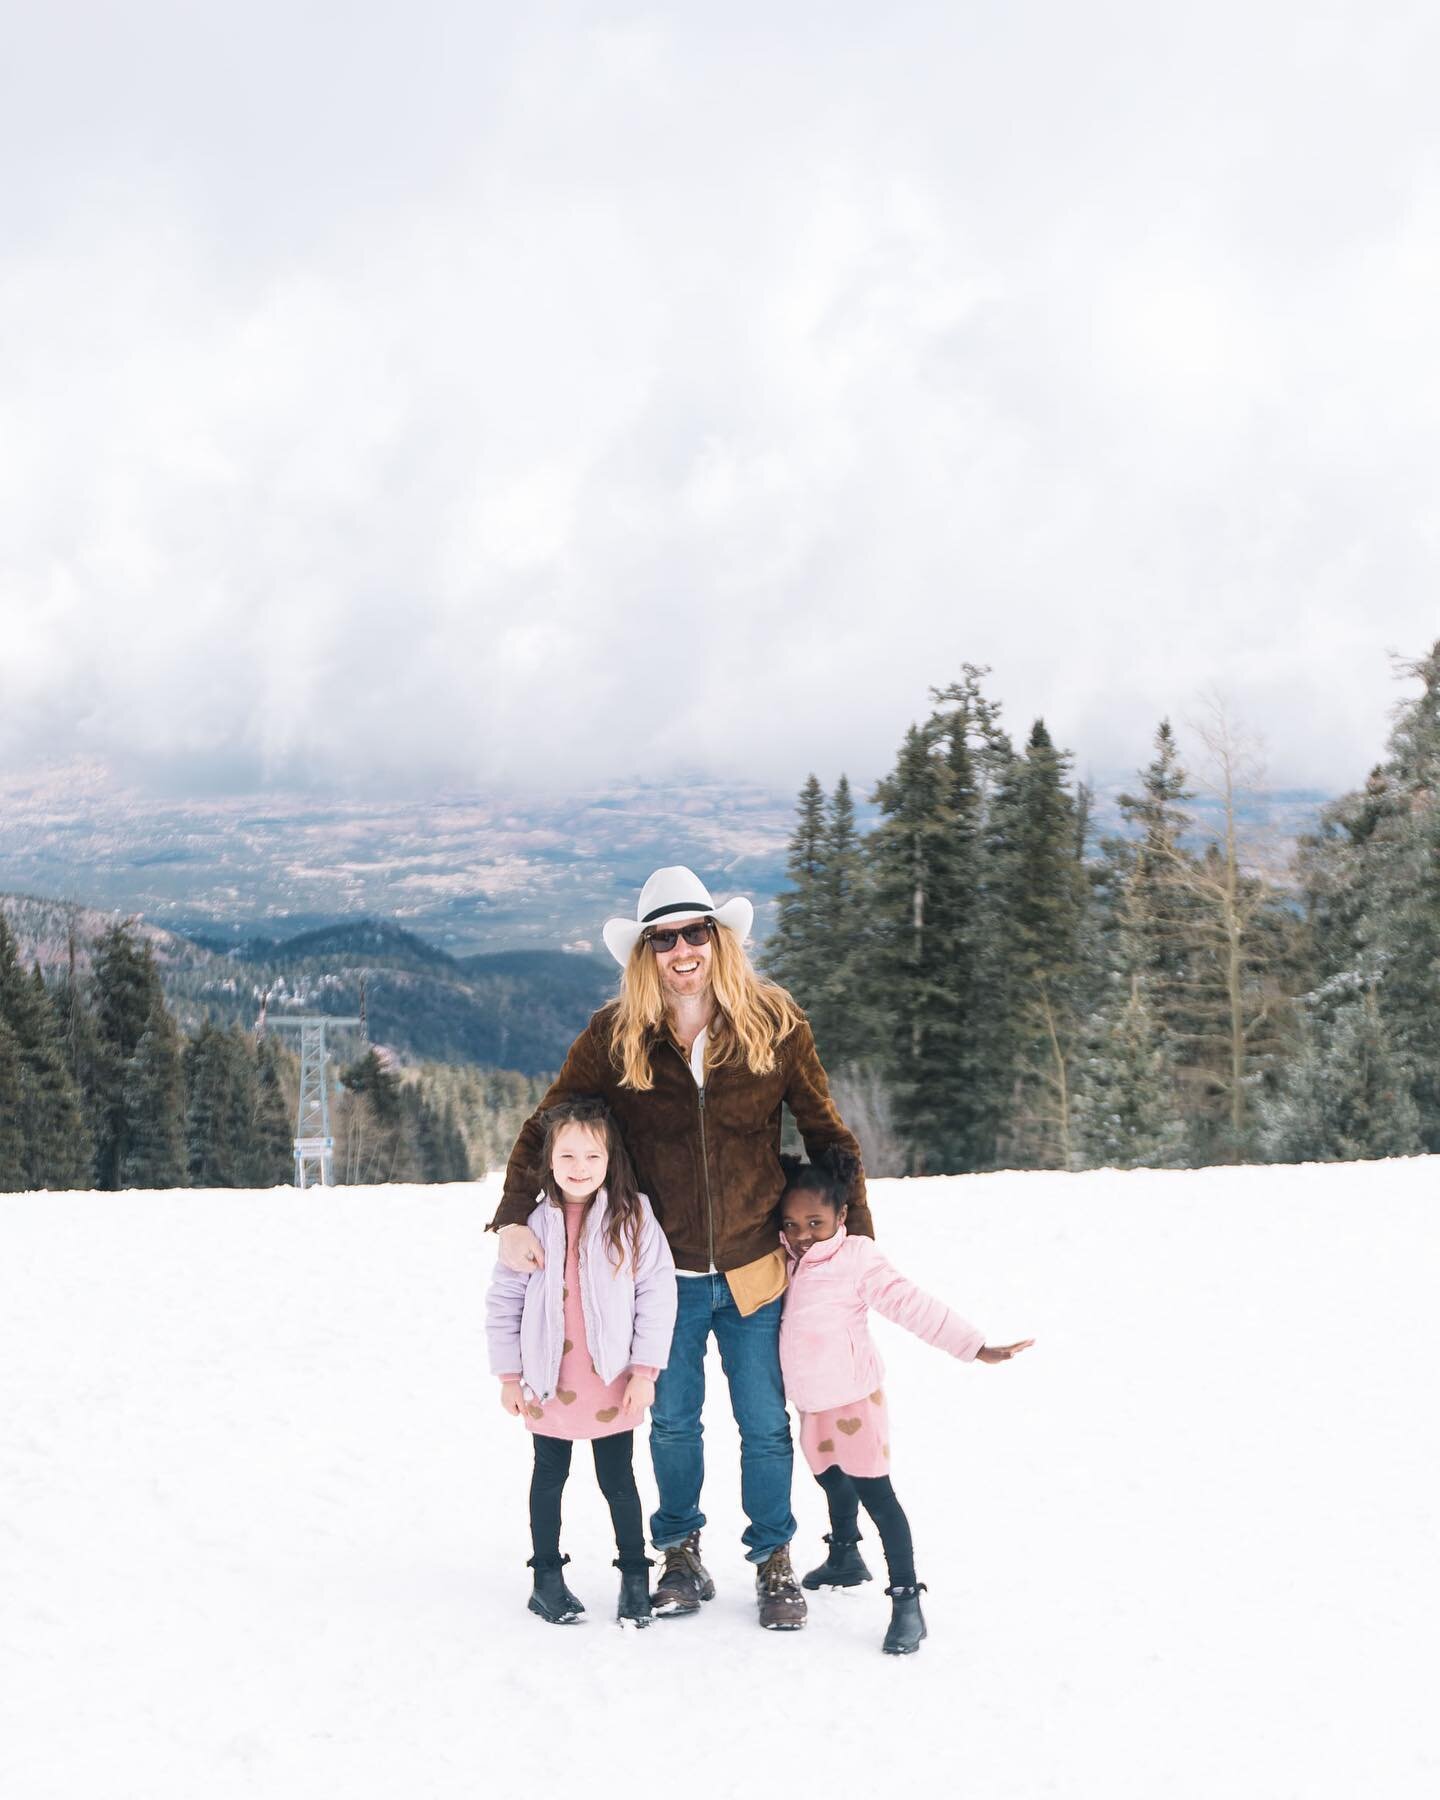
{"type": "Point", "coordinates": [892, 1294]}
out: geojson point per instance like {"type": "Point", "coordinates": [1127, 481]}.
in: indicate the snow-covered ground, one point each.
{"type": "Point", "coordinates": [262, 1522]}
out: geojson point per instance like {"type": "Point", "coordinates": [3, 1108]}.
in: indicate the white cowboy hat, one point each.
{"type": "Point", "coordinates": [673, 897]}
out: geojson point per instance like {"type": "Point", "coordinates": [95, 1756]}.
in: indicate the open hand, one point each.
{"type": "Point", "coordinates": [511, 1398]}
{"type": "Point", "coordinates": [639, 1393]}
{"type": "Point", "coordinates": [520, 1249]}
{"type": "Point", "coordinates": [1002, 1352]}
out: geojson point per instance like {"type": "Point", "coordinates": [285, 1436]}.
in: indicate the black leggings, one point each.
{"type": "Point", "coordinates": [616, 1475]}
{"type": "Point", "coordinates": [845, 1494]}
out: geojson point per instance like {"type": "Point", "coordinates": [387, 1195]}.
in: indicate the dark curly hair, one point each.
{"type": "Point", "coordinates": [831, 1175]}
{"type": "Point", "coordinates": [625, 1214]}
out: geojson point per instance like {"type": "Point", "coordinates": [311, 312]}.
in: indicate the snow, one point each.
{"type": "Point", "coordinates": [262, 1522]}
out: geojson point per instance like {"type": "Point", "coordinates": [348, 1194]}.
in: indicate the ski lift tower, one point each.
{"type": "Point", "coordinates": [314, 1146]}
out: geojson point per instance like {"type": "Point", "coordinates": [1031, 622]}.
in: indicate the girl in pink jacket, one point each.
{"type": "Point", "coordinates": [833, 1374]}
{"type": "Point", "coordinates": [578, 1343]}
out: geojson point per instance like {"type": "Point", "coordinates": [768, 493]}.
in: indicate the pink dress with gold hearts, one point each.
{"type": "Point", "coordinates": [584, 1406]}
{"type": "Point", "coordinates": [854, 1437]}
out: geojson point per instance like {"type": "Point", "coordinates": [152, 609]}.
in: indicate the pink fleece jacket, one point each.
{"type": "Point", "coordinates": [827, 1355]}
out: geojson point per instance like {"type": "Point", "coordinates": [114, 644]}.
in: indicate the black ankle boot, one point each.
{"type": "Point", "coordinates": [634, 1607]}
{"type": "Point", "coordinates": [552, 1600]}
{"type": "Point", "coordinates": [907, 1622]}
{"type": "Point", "coordinates": [843, 1567]}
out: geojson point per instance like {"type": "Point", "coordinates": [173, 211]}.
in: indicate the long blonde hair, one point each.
{"type": "Point", "coordinates": [752, 1015]}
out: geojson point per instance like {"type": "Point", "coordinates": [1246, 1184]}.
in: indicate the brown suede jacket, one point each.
{"type": "Point", "coordinates": [709, 1159]}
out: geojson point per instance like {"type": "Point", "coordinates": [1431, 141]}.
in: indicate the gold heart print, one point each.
{"type": "Point", "coordinates": [877, 1398]}
{"type": "Point", "coordinates": [607, 1413]}
{"type": "Point", "coordinates": [848, 1426]}
{"type": "Point", "coordinates": [826, 1446]}
{"type": "Point", "coordinates": [566, 1396]}
{"type": "Point", "coordinates": [535, 1412]}
{"type": "Point", "coordinates": [566, 1347]}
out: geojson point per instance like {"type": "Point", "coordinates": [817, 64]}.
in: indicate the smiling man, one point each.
{"type": "Point", "coordinates": [697, 1058]}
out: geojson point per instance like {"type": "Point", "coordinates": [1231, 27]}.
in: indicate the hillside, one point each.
{"type": "Point", "coordinates": [265, 1523]}
{"type": "Point", "coordinates": [512, 1010]}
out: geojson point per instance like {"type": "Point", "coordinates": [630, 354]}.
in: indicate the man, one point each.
{"type": "Point", "coordinates": [696, 1059]}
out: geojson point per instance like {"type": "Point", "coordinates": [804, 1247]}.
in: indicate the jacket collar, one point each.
{"type": "Point", "coordinates": [821, 1252]}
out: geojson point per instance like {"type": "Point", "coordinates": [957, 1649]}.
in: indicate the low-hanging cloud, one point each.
{"type": "Point", "coordinates": [487, 394]}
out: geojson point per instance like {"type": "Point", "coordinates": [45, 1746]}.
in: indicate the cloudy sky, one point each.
{"type": "Point", "coordinates": [481, 393]}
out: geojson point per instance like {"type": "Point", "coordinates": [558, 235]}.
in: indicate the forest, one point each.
{"type": "Point", "coordinates": [991, 986]}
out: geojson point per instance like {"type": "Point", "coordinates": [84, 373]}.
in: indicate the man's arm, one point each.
{"type": "Point", "coordinates": [808, 1097]}
{"type": "Point", "coordinates": [583, 1073]}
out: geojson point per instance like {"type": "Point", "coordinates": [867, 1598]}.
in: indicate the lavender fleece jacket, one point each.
{"type": "Point", "coordinates": [827, 1355]}
{"type": "Point", "coordinates": [629, 1311]}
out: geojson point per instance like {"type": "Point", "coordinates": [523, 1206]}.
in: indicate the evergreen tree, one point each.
{"type": "Point", "coordinates": [127, 994]}
{"type": "Point", "coordinates": [1124, 1109]}
{"type": "Point", "coordinates": [924, 864]}
{"type": "Point", "coordinates": [1345, 1095]}
{"type": "Point", "coordinates": [1037, 887]}
{"type": "Point", "coordinates": [1372, 878]}
{"type": "Point", "coordinates": [840, 1009]}
{"type": "Point", "coordinates": [220, 1108]}
{"type": "Point", "coordinates": [13, 1176]}
{"type": "Point", "coordinates": [153, 1102]}
{"type": "Point", "coordinates": [374, 1119]}
{"type": "Point", "coordinates": [271, 1158]}
{"type": "Point", "coordinates": [48, 1117]}
{"type": "Point", "coordinates": [80, 1046]}
{"type": "Point", "coordinates": [795, 952]}
{"type": "Point", "coordinates": [1159, 910]}
{"type": "Point", "coordinates": [454, 1157]}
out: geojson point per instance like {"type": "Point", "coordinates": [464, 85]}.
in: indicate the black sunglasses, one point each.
{"type": "Point", "coordinates": [694, 935]}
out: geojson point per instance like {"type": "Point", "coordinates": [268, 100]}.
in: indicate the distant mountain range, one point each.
{"type": "Point", "coordinates": [467, 873]}
{"type": "Point", "coordinates": [461, 874]}
{"type": "Point", "coordinates": [517, 1009]}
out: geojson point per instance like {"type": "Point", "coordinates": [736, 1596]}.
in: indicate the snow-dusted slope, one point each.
{"type": "Point", "coordinates": [262, 1523]}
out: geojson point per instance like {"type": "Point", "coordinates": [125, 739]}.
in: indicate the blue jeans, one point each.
{"type": "Point", "coordinates": [750, 1357]}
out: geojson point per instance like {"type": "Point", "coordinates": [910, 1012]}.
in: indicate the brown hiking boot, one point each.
{"type": "Point", "coordinates": [782, 1605]}
{"type": "Point", "coordinates": [685, 1582]}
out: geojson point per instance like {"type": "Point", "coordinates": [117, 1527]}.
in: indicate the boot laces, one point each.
{"type": "Point", "coordinates": [776, 1575]}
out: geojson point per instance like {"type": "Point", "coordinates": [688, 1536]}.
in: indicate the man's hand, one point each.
{"type": "Point", "coordinates": [520, 1249]}
{"type": "Point", "coordinates": [1001, 1352]}
{"type": "Point", "coordinates": [639, 1393]}
{"type": "Point", "coordinates": [512, 1400]}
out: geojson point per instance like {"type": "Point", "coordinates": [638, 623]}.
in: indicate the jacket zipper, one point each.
{"type": "Point", "coordinates": [704, 1155]}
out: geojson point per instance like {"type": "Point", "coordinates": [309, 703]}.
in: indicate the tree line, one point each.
{"type": "Point", "coordinates": [100, 1089]}
{"type": "Point", "coordinates": [994, 985]}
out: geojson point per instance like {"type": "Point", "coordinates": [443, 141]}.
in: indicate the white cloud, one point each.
{"type": "Point", "coordinates": [492, 394]}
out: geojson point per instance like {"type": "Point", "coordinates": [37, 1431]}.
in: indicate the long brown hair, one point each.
{"type": "Point", "coordinates": [624, 1212]}
{"type": "Point", "coordinates": [752, 1015]}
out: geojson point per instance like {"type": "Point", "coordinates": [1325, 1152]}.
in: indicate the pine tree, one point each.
{"type": "Point", "coordinates": [49, 1120]}
{"type": "Point", "coordinates": [1124, 1108]}
{"type": "Point", "coordinates": [372, 1120]}
{"type": "Point", "coordinates": [1345, 1095]}
{"type": "Point", "coordinates": [795, 952]}
{"type": "Point", "coordinates": [924, 862]}
{"type": "Point", "coordinates": [80, 1046]}
{"type": "Point", "coordinates": [127, 993]}
{"type": "Point", "coordinates": [840, 1009]}
{"type": "Point", "coordinates": [153, 1100]}
{"type": "Point", "coordinates": [220, 1108]}
{"type": "Point", "coordinates": [1038, 888]}
{"type": "Point", "coordinates": [271, 1158]}
{"type": "Point", "coordinates": [455, 1158]}
{"type": "Point", "coordinates": [13, 1176]}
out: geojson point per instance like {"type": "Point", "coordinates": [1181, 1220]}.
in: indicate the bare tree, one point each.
{"type": "Point", "coordinates": [1237, 998]}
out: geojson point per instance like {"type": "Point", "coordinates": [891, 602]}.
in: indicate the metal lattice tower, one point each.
{"type": "Point", "coordinates": [314, 1146]}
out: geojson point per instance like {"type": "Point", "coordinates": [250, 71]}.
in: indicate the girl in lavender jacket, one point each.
{"type": "Point", "coordinates": [833, 1374]}
{"type": "Point", "coordinates": [577, 1345]}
